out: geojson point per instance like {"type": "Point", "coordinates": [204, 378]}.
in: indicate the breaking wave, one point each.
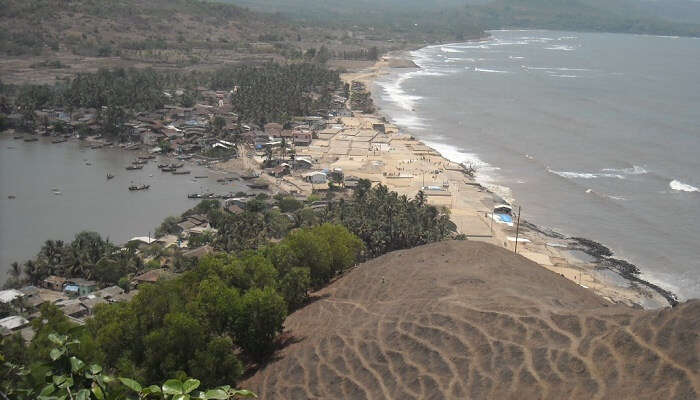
{"type": "Point", "coordinates": [634, 170]}
{"type": "Point", "coordinates": [489, 70]}
{"type": "Point", "coordinates": [584, 175]}
{"type": "Point", "coordinates": [682, 187]}
{"type": "Point", "coordinates": [616, 173]}
{"type": "Point", "coordinates": [561, 47]}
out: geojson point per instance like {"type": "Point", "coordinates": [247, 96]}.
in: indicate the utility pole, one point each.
{"type": "Point", "coordinates": [517, 231]}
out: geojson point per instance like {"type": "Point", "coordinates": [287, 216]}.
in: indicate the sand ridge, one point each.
{"type": "Point", "coordinates": [469, 320]}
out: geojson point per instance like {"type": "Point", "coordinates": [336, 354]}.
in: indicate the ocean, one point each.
{"type": "Point", "coordinates": [594, 135]}
{"type": "Point", "coordinates": [87, 200]}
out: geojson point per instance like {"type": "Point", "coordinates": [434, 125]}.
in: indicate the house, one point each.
{"type": "Point", "coordinates": [199, 252]}
{"type": "Point", "coordinates": [54, 282]}
{"type": "Point", "coordinates": [280, 170]}
{"type": "Point", "coordinates": [125, 296]}
{"type": "Point", "coordinates": [73, 308]}
{"type": "Point", "coordinates": [316, 177]}
{"type": "Point", "coordinates": [303, 163]}
{"type": "Point", "coordinates": [234, 209]}
{"type": "Point", "coordinates": [10, 295]}
{"type": "Point", "coordinates": [90, 302]}
{"type": "Point", "coordinates": [80, 287]}
{"type": "Point", "coordinates": [274, 129]}
{"type": "Point", "coordinates": [32, 297]}
{"type": "Point", "coordinates": [351, 182]}
{"type": "Point", "coordinates": [109, 293]}
{"type": "Point", "coordinates": [302, 138]}
{"type": "Point", "coordinates": [12, 324]}
{"type": "Point", "coordinates": [152, 276]}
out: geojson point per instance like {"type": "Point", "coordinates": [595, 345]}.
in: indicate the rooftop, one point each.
{"type": "Point", "coordinates": [13, 322]}
{"type": "Point", "coordinates": [7, 296]}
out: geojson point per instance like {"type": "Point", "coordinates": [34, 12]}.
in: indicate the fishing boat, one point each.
{"type": "Point", "coordinates": [139, 187]}
{"type": "Point", "coordinates": [139, 162]}
{"type": "Point", "coordinates": [182, 172]}
{"type": "Point", "coordinates": [88, 163]}
{"type": "Point", "coordinates": [168, 169]}
{"type": "Point", "coordinates": [194, 196]}
{"type": "Point", "coordinates": [258, 185]}
{"type": "Point", "coordinates": [12, 196]}
{"type": "Point", "coordinates": [109, 176]}
{"type": "Point", "coordinates": [250, 176]}
{"type": "Point", "coordinates": [17, 137]}
{"type": "Point", "coordinates": [31, 139]}
{"type": "Point", "coordinates": [201, 177]}
{"type": "Point", "coordinates": [134, 167]}
{"type": "Point", "coordinates": [56, 192]}
{"type": "Point", "coordinates": [58, 141]}
{"type": "Point", "coordinates": [163, 165]}
{"type": "Point", "coordinates": [173, 165]}
{"type": "Point", "coordinates": [146, 157]}
{"type": "Point", "coordinates": [96, 146]}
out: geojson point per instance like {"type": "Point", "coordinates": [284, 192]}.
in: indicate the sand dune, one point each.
{"type": "Point", "coordinates": [468, 320]}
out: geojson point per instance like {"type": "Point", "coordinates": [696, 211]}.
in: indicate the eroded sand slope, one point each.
{"type": "Point", "coordinates": [470, 320]}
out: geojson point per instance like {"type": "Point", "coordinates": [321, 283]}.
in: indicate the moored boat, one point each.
{"type": "Point", "coordinates": [134, 167]}
{"type": "Point", "coordinates": [31, 139]}
{"type": "Point", "coordinates": [258, 185]}
{"type": "Point", "coordinates": [109, 176]}
{"type": "Point", "coordinates": [139, 187]}
{"type": "Point", "coordinates": [182, 172]}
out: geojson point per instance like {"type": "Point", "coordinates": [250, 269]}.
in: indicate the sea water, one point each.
{"type": "Point", "coordinates": [594, 135]}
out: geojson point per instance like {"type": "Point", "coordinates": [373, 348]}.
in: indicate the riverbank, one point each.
{"type": "Point", "coordinates": [406, 165]}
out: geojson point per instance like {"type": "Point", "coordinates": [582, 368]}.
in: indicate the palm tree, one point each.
{"type": "Point", "coordinates": [15, 270]}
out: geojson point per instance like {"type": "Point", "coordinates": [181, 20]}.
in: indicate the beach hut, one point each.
{"type": "Point", "coordinates": [316, 177]}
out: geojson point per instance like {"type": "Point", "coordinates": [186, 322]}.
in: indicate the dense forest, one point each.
{"type": "Point", "coordinates": [224, 313]}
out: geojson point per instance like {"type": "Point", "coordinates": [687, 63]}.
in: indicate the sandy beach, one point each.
{"type": "Point", "coordinates": [368, 146]}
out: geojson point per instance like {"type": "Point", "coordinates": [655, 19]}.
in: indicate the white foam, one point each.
{"type": "Point", "coordinates": [619, 198]}
{"type": "Point", "coordinates": [682, 187]}
{"type": "Point", "coordinates": [450, 50]}
{"type": "Point", "coordinates": [555, 68]}
{"type": "Point", "coordinates": [489, 70]}
{"type": "Point", "coordinates": [584, 175]}
{"type": "Point", "coordinates": [634, 170]}
{"type": "Point", "coordinates": [410, 121]}
{"type": "Point", "coordinates": [564, 76]}
{"type": "Point", "coordinates": [560, 47]}
{"type": "Point", "coordinates": [516, 57]}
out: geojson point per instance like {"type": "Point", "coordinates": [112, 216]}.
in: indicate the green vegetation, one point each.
{"type": "Point", "coordinates": [270, 92]}
{"type": "Point", "coordinates": [225, 312]}
{"type": "Point", "coordinates": [88, 256]}
{"type": "Point", "coordinates": [63, 375]}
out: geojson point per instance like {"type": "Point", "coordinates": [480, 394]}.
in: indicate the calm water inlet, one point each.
{"type": "Point", "coordinates": [87, 200]}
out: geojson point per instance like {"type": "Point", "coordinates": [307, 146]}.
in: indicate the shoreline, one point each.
{"type": "Point", "coordinates": [638, 292]}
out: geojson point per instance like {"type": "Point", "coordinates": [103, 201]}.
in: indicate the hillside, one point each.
{"type": "Point", "coordinates": [42, 41]}
{"type": "Point", "coordinates": [677, 17]}
{"type": "Point", "coordinates": [470, 320]}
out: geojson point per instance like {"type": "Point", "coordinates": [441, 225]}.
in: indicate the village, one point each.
{"type": "Point", "coordinates": [324, 156]}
